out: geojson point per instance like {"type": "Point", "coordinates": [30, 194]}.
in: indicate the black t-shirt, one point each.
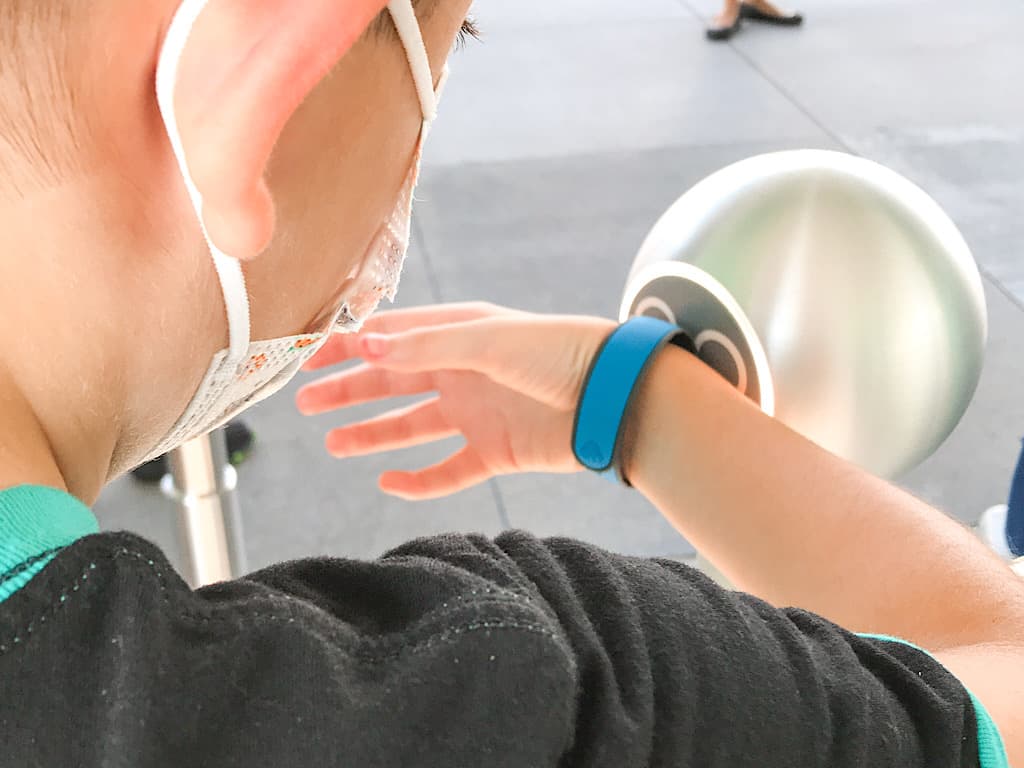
{"type": "Point", "coordinates": [452, 651]}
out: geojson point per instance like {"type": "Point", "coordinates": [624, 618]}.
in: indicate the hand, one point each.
{"type": "Point", "coordinates": [506, 381]}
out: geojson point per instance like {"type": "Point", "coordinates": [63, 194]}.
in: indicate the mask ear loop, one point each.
{"type": "Point", "coordinates": [408, 26]}
{"type": "Point", "coordinates": [229, 270]}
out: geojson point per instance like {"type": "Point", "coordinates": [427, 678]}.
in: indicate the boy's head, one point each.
{"type": "Point", "coordinates": [298, 127]}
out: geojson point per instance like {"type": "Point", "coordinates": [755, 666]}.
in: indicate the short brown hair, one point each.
{"type": "Point", "coordinates": [39, 123]}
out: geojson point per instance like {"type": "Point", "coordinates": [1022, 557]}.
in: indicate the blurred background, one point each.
{"type": "Point", "coordinates": [562, 138]}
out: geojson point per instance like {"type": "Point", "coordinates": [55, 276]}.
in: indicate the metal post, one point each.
{"type": "Point", "coordinates": [202, 482]}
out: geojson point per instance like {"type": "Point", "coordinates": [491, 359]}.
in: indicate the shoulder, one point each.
{"type": "Point", "coordinates": [429, 645]}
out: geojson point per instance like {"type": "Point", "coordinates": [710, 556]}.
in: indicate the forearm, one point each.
{"type": "Point", "coordinates": [795, 525]}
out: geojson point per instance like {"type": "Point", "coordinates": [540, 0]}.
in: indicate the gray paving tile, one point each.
{"type": "Point", "coordinates": [557, 235]}
{"type": "Point", "coordinates": [860, 67]}
{"type": "Point", "coordinates": [499, 14]}
{"type": "Point", "coordinates": [298, 502]}
{"type": "Point", "coordinates": [1015, 288]}
{"type": "Point", "coordinates": [580, 89]}
{"type": "Point", "coordinates": [972, 470]}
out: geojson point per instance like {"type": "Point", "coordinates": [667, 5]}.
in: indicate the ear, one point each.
{"type": "Point", "coordinates": [247, 67]}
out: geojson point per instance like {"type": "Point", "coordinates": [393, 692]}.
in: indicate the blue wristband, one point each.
{"type": "Point", "coordinates": [610, 387]}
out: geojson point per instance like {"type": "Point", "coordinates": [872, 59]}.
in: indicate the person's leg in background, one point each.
{"type": "Point", "coordinates": [1002, 527]}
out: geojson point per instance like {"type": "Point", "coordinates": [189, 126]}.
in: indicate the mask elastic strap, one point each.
{"type": "Point", "coordinates": [229, 270]}
{"type": "Point", "coordinates": [408, 26]}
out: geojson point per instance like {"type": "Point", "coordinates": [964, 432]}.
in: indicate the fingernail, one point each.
{"type": "Point", "coordinates": [375, 345]}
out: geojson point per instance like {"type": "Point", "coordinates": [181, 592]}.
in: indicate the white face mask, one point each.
{"type": "Point", "coordinates": [251, 371]}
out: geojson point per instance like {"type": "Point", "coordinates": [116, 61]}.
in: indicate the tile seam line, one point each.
{"type": "Point", "coordinates": [793, 101]}
{"type": "Point", "coordinates": [437, 294]}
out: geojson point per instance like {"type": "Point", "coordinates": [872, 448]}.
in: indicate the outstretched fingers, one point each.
{"type": "Point", "coordinates": [346, 346]}
{"type": "Point", "coordinates": [458, 472]}
{"type": "Point", "coordinates": [362, 384]}
{"type": "Point", "coordinates": [402, 428]}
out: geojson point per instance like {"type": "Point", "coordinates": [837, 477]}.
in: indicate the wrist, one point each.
{"type": "Point", "coordinates": [610, 387]}
{"type": "Point", "coordinates": [662, 428]}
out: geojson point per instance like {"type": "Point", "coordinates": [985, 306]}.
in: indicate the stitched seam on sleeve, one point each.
{"type": "Point", "coordinates": [362, 647]}
{"type": "Point", "coordinates": [21, 568]}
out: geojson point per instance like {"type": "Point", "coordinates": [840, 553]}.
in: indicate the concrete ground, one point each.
{"type": "Point", "coordinates": [563, 137]}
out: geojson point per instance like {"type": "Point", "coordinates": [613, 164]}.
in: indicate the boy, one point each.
{"type": "Point", "coordinates": [448, 651]}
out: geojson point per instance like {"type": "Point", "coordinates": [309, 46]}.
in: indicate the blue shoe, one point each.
{"type": "Point", "coordinates": [1002, 527]}
{"type": "Point", "coordinates": [1015, 510]}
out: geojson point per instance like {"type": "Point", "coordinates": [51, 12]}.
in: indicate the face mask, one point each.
{"type": "Point", "coordinates": [251, 371]}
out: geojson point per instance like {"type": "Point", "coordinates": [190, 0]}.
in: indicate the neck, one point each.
{"type": "Point", "coordinates": [99, 285]}
{"type": "Point", "coordinates": [86, 339]}
{"type": "Point", "coordinates": [26, 453]}
{"type": "Point", "coordinates": [59, 447]}
{"type": "Point", "coordinates": [49, 433]}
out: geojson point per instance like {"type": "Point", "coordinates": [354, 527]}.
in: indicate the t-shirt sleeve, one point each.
{"type": "Point", "coordinates": [452, 651]}
{"type": "Point", "coordinates": [669, 669]}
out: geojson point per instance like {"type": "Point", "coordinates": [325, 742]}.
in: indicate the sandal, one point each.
{"type": "Point", "coordinates": [726, 33]}
{"type": "Point", "coordinates": [748, 11]}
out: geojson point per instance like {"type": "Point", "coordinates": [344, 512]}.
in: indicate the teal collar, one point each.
{"type": "Point", "coordinates": [35, 523]}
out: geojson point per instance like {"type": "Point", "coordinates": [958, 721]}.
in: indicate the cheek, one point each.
{"type": "Point", "coordinates": [335, 175]}
{"type": "Point", "coordinates": [325, 227]}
